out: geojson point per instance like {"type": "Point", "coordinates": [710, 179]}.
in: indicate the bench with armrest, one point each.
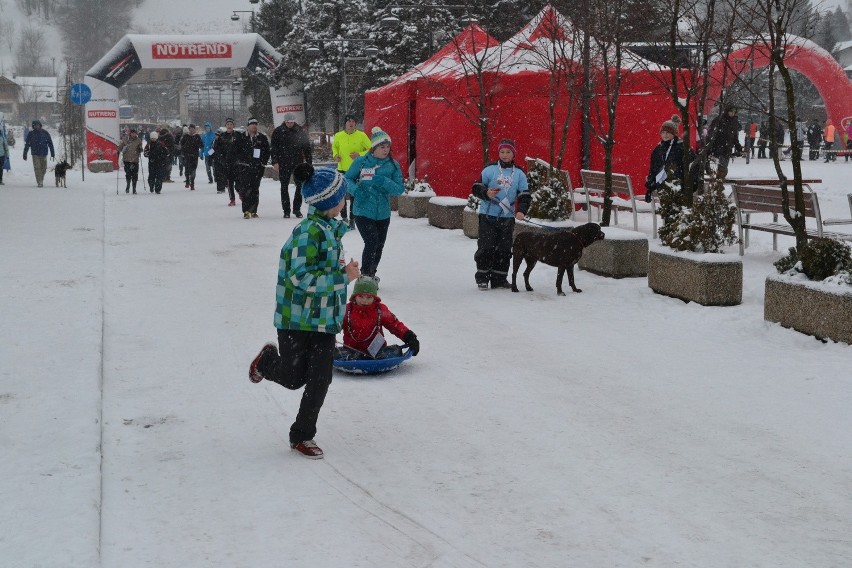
{"type": "Point", "coordinates": [593, 191]}
{"type": "Point", "coordinates": [841, 221]}
{"type": "Point", "coordinates": [752, 199]}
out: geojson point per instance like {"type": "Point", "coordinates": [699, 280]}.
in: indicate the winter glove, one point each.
{"type": "Point", "coordinates": [479, 190]}
{"type": "Point", "coordinates": [650, 183]}
{"type": "Point", "coordinates": [411, 342]}
{"type": "Point", "coordinates": [649, 196]}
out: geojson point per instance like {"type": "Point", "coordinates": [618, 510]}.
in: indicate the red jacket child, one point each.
{"type": "Point", "coordinates": [365, 317]}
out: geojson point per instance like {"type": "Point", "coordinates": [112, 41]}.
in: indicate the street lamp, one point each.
{"type": "Point", "coordinates": [235, 17]}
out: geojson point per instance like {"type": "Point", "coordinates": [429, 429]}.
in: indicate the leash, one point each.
{"type": "Point", "coordinates": [548, 227]}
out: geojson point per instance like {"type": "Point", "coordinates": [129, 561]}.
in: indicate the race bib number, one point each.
{"type": "Point", "coordinates": [257, 153]}
{"type": "Point", "coordinates": [376, 345]}
{"type": "Point", "coordinates": [367, 173]}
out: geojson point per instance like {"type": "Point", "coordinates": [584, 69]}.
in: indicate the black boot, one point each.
{"type": "Point", "coordinates": [127, 189]}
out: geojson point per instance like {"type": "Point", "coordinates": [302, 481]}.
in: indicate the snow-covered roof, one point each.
{"type": "Point", "coordinates": [43, 89]}
{"type": "Point", "coordinates": [446, 60]}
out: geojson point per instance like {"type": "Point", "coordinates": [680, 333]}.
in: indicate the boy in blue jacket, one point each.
{"type": "Point", "coordinates": [310, 303]}
{"type": "Point", "coordinates": [207, 139]}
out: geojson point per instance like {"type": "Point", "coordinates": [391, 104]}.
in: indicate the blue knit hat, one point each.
{"type": "Point", "coordinates": [324, 188]}
{"type": "Point", "coordinates": [379, 137]}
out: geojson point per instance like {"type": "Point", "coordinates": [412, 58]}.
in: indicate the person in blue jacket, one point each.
{"type": "Point", "coordinates": [207, 139]}
{"type": "Point", "coordinates": [39, 142]}
{"type": "Point", "coordinates": [505, 196]}
{"type": "Point", "coordinates": [375, 177]}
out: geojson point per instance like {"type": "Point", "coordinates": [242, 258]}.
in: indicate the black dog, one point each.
{"type": "Point", "coordinates": [561, 249]}
{"type": "Point", "coordinates": [60, 170]}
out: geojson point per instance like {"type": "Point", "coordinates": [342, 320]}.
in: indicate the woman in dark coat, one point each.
{"type": "Point", "coordinates": [666, 158]}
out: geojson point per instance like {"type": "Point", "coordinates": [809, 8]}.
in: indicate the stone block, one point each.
{"type": "Point", "coordinates": [101, 167]}
{"type": "Point", "coordinates": [446, 212]}
{"type": "Point", "coordinates": [269, 172]}
{"type": "Point", "coordinates": [414, 205]}
{"type": "Point", "coordinates": [807, 308]}
{"type": "Point", "coordinates": [470, 223]}
{"type": "Point", "coordinates": [707, 279]}
{"type": "Point", "coordinates": [623, 254]}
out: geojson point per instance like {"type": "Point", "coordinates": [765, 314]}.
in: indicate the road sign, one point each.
{"type": "Point", "coordinates": [80, 93]}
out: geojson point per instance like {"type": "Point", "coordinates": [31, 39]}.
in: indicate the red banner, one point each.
{"type": "Point", "coordinates": [191, 50]}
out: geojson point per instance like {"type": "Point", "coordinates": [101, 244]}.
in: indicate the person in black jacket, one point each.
{"type": "Point", "coordinates": [190, 148]}
{"type": "Point", "coordinates": [227, 160]}
{"type": "Point", "coordinates": [290, 147]}
{"type": "Point", "coordinates": [252, 153]}
{"type": "Point", "coordinates": [814, 139]}
{"type": "Point", "coordinates": [159, 159]}
{"type": "Point", "coordinates": [666, 158]}
{"type": "Point", "coordinates": [724, 138]}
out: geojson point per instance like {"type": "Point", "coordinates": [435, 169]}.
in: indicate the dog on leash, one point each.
{"type": "Point", "coordinates": [60, 170]}
{"type": "Point", "coordinates": [561, 249]}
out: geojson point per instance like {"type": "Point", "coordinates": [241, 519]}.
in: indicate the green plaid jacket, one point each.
{"type": "Point", "coordinates": [311, 291]}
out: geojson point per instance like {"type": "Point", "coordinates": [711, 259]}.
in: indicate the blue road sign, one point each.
{"type": "Point", "coordinates": [80, 93]}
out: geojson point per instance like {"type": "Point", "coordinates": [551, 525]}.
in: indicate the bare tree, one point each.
{"type": "Point", "coordinates": [29, 56]}
{"type": "Point", "coordinates": [770, 21]}
{"type": "Point", "coordinates": [479, 68]}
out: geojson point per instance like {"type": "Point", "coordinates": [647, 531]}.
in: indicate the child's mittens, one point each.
{"type": "Point", "coordinates": [410, 340]}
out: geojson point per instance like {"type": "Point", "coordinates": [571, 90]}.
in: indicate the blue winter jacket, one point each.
{"type": "Point", "coordinates": [39, 142]}
{"type": "Point", "coordinates": [207, 139]}
{"type": "Point", "coordinates": [372, 197]}
{"type": "Point", "coordinates": [511, 181]}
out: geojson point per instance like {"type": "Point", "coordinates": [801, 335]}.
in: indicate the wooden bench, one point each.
{"type": "Point", "coordinates": [841, 221]}
{"type": "Point", "coordinates": [593, 192]}
{"type": "Point", "coordinates": [751, 199]}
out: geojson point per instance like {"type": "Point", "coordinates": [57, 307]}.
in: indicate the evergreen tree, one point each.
{"type": "Point", "coordinates": [89, 31]}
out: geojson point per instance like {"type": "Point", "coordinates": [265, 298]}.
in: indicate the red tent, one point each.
{"type": "Point", "coordinates": [433, 111]}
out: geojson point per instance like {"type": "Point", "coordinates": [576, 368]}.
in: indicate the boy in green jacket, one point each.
{"type": "Point", "coordinates": [310, 303]}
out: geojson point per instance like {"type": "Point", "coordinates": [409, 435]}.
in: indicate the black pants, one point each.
{"type": "Point", "coordinates": [813, 151]}
{"type": "Point", "coordinates": [494, 249]}
{"type": "Point", "coordinates": [305, 360]}
{"type": "Point", "coordinates": [374, 233]}
{"type": "Point", "coordinates": [829, 155]}
{"type": "Point", "coordinates": [131, 173]}
{"type": "Point", "coordinates": [249, 187]}
{"type": "Point", "coordinates": [761, 148]}
{"type": "Point", "coordinates": [208, 164]}
{"type": "Point", "coordinates": [156, 175]}
{"type": "Point", "coordinates": [285, 171]}
{"type": "Point", "coordinates": [190, 166]}
{"type": "Point", "coordinates": [229, 179]}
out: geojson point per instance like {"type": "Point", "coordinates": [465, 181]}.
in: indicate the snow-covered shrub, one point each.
{"type": "Point", "coordinates": [822, 259]}
{"type": "Point", "coordinates": [414, 185]}
{"type": "Point", "coordinates": [704, 223]}
{"type": "Point", "coordinates": [551, 198]}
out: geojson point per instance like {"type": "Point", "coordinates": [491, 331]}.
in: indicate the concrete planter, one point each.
{"type": "Point", "coordinates": [707, 279]}
{"type": "Point", "coordinates": [101, 167]}
{"type": "Point", "coordinates": [623, 254]}
{"type": "Point", "coordinates": [470, 223]}
{"type": "Point", "coordinates": [446, 212]}
{"type": "Point", "coordinates": [414, 205]}
{"type": "Point", "coordinates": [809, 308]}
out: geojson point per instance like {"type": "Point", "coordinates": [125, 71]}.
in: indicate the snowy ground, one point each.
{"type": "Point", "coordinates": [610, 428]}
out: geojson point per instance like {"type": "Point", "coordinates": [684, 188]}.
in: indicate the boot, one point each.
{"type": "Point", "coordinates": [134, 187]}
{"type": "Point", "coordinates": [127, 189]}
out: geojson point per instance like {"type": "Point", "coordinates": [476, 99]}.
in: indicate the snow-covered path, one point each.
{"type": "Point", "coordinates": [609, 428]}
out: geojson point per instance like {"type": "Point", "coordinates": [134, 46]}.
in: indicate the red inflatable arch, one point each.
{"type": "Point", "coordinates": [802, 55]}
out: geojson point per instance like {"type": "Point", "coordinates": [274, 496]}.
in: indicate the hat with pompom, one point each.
{"type": "Point", "coordinates": [672, 126]}
{"type": "Point", "coordinates": [379, 137]}
{"type": "Point", "coordinates": [324, 188]}
{"type": "Point", "coordinates": [365, 285]}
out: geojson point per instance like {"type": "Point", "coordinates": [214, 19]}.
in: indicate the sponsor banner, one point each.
{"type": "Point", "coordinates": [102, 128]}
{"type": "Point", "coordinates": [194, 51]}
{"type": "Point", "coordinates": [290, 98]}
{"type": "Point", "coordinates": [117, 66]}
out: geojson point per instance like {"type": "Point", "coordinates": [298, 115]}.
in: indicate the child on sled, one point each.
{"type": "Point", "coordinates": [366, 315]}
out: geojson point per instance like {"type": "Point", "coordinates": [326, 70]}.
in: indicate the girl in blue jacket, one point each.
{"type": "Point", "coordinates": [375, 176]}
{"type": "Point", "coordinates": [505, 196]}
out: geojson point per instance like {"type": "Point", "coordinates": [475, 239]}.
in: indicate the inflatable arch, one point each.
{"type": "Point", "coordinates": [135, 52]}
{"type": "Point", "coordinates": [802, 55]}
